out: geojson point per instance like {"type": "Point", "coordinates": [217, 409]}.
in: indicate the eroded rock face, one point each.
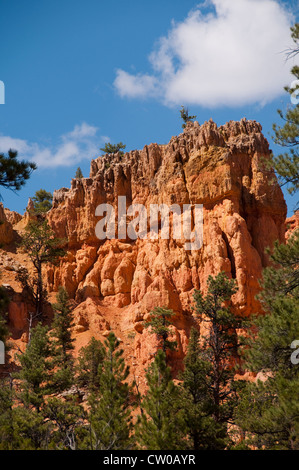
{"type": "Point", "coordinates": [292, 223]}
{"type": "Point", "coordinates": [12, 217]}
{"type": "Point", "coordinates": [244, 211]}
{"type": "Point", "coordinates": [6, 230]}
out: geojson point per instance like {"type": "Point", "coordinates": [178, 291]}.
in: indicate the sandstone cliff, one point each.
{"type": "Point", "coordinates": [6, 229]}
{"type": "Point", "coordinates": [115, 283]}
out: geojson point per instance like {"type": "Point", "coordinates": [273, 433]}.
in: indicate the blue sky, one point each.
{"type": "Point", "coordinates": [81, 73]}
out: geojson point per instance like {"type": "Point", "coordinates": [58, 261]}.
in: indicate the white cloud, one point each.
{"type": "Point", "coordinates": [79, 144]}
{"type": "Point", "coordinates": [82, 130]}
{"type": "Point", "coordinates": [134, 86]}
{"type": "Point", "coordinates": [230, 57]}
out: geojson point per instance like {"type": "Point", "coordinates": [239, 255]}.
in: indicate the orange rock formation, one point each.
{"type": "Point", "coordinates": [115, 283]}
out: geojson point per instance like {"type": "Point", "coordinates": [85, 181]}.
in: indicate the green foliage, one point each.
{"type": "Point", "coordinates": [268, 414]}
{"type": "Point", "coordinates": [67, 422]}
{"type": "Point", "coordinates": [42, 201]}
{"type": "Point", "coordinates": [273, 421]}
{"type": "Point", "coordinates": [42, 246]}
{"type": "Point", "coordinates": [109, 415]}
{"type": "Point", "coordinates": [185, 116]}
{"type": "Point", "coordinates": [33, 290]}
{"type": "Point", "coordinates": [295, 36]}
{"type": "Point", "coordinates": [90, 365]}
{"type": "Point", "coordinates": [31, 431]}
{"type": "Point", "coordinates": [286, 165]}
{"type": "Point", "coordinates": [161, 424]}
{"type": "Point", "coordinates": [62, 343]}
{"type": "Point", "coordinates": [219, 347]}
{"type": "Point", "coordinates": [159, 322]}
{"type": "Point", "coordinates": [14, 173]}
{"type": "Point", "coordinates": [79, 174]}
{"type": "Point", "coordinates": [283, 277]}
{"type": "Point", "coordinates": [202, 431]}
{"type": "Point", "coordinates": [35, 366]}
{"type": "Point", "coordinates": [270, 349]}
{"type": "Point", "coordinates": [6, 422]}
{"type": "Point", "coordinates": [114, 148]}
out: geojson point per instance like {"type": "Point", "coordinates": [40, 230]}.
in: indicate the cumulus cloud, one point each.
{"type": "Point", "coordinates": [230, 55]}
{"type": "Point", "coordinates": [79, 144]}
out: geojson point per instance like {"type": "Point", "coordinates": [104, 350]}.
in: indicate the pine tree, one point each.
{"type": "Point", "coordinates": [67, 419]}
{"type": "Point", "coordinates": [273, 421]}
{"type": "Point", "coordinates": [21, 428]}
{"type": "Point", "coordinates": [31, 429]}
{"type": "Point", "coordinates": [42, 246]}
{"type": "Point", "coordinates": [109, 415]}
{"type": "Point", "coordinates": [185, 116]}
{"type": "Point", "coordinates": [160, 321]}
{"type": "Point", "coordinates": [42, 201]}
{"type": "Point", "coordinates": [90, 364]}
{"type": "Point", "coordinates": [79, 174]}
{"type": "Point", "coordinates": [29, 421]}
{"type": "Point", "coordinates": [62, 343]}
{"type": "Point", "coordinates": [203, 433]}
{"type": "Point", "coordinates": [114, 148]}
{"type": "Point", "coordinates": [220, 347]}
{"type": "Point", "coordinates": [6, 416]}
{"type": "Point", "coordinates": [14, 173]}
{"type": "Point", "coordinates": [35, 369]}
{"type": "Point", "coordinates": [161, 424]}
{"type": "Point", "coordinates": [286, 165]}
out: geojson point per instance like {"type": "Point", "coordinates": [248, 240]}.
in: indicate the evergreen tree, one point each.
{"type": "Point", "coordinates": [6, 416]}
{"type": "Point", "coordinates": [161, 425]}
{"type": "Point", "coordinates": [90, 365]}
{"type": "Point", "coordinates": [273, 421]}
{"type": "Point", "coordinates": [14, 173]}
{"type": "Point", "coordinates": [295, 36]}
{"type": "Point", "coordinates": [29, 422]}
{"type": "Point", "coordinates": [35, 369]}
{"type": "Point", "coordinates": [219, 348]}
{"type": "Point", "coordinates": [109, 415]}
{"type": "Point", "coordinates": [42, 246]}
{"type": "Point", "coordinates": [21, 428]}
{"type": "Point", "coordinates": [160, 322]}
{"type": "Point", "coordinates": [31, 429]}
{"type": "Point", "coordinates": [286, 165]}
{"type": "Point", "coordinates": [203, 433]}
{"type": "Point", "coordinates": [62, 343]}
{"type": "Point", "coordinates": [79, 174]}
{"type": "Point", "coordinates": [67, 423]}
{"type": "Point", "coordinates": [114, 148]}
{"type": "Point", "coordinates": [185, 116]}
{"type": "Point", "coordinates": [42, 201]}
